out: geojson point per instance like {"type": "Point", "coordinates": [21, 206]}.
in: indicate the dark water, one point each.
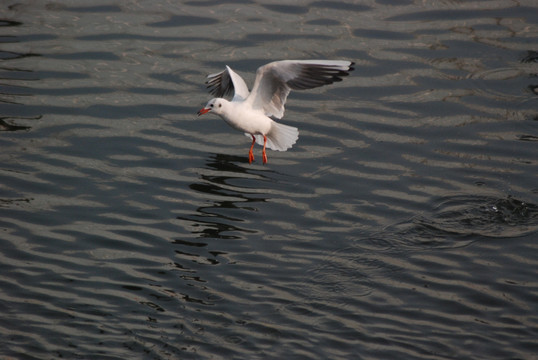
{"type": "Point", "coordinates": [402, 225]}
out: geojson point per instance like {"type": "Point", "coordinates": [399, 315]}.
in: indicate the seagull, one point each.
{"type": "Point", "coordinates": [251, 112]}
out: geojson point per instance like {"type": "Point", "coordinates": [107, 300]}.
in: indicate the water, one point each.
{"type": "Point", "coordinates": [403, 223]}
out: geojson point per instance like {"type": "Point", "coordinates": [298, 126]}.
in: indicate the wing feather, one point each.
{"type": "Point", "coordinates": [275, 80]}
{"type": "Point", "coordinates": [219, 84]}
{"type": "Point", "coordinates": [225, 83]}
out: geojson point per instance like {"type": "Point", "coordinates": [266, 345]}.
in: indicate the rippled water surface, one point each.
{"type": "Point", "coordinates": [402, 225]}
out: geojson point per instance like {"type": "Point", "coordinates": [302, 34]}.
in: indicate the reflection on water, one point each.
{"type": "Point", "coordinates": [8, 124]}
{"type": "Point", "coordinates": [216, 183]}
{"type": "Point", "coordinates": [12, 78]}
{"type": "Point", "coordinates": [401, 225]}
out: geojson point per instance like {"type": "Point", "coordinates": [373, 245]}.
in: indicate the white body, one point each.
{"type": "Point", "coordinates": [253, 122]}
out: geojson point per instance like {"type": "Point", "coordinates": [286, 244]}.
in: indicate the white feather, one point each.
{"type": "Point", "coordinates": [281, 137]}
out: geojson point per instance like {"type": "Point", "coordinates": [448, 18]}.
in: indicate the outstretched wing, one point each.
{"type": "Point", "coordinates": [275, 80]}
{"type": "Point", "coordinates": [225, 82]}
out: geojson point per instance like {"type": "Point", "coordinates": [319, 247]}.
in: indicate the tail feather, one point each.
{"type": "Point", "coordinates": [281, 137]}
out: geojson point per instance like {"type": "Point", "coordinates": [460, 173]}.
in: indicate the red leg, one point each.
{"type": "Point", "coordinates": [263, 151]}
{"type": "Point", "coordinates": [250, 154]}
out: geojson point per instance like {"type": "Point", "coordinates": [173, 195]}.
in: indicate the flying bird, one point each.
{"type": "Point", "coordinates": [251, 112]}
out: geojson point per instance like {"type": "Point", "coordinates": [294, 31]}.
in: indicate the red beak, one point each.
{"type": "Point", "coordinates": [203, 111]}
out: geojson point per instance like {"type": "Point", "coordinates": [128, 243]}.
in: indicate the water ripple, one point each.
{"type": "Point", "coordinates": [459, 220]}
{"type": "Point", "coordinates": [401, 225]}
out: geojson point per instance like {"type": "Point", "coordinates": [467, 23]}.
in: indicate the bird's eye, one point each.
{"type": "Point", "coordinates": [211, 105]}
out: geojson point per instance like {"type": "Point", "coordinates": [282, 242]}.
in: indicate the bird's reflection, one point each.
{"type": "Point", "coordinates": [10, 125]}
{"type": "Point", "coordinates": [220, 218]}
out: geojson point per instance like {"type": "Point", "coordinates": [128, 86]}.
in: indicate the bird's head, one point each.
{"type": "Point", "coordinates": [214, 105]}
